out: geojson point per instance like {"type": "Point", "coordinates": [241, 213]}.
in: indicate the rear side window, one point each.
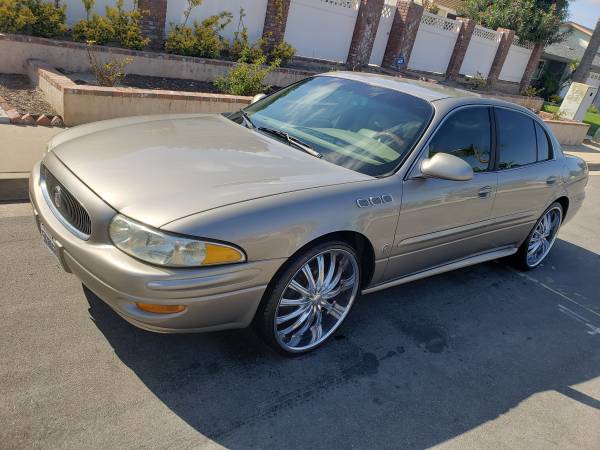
{"type": "Point", "coordinates": [467, 135]}
{"type": "Point", "coordinates": [544, 147]}
{"type": "Point", "coordinates": [516, 139]}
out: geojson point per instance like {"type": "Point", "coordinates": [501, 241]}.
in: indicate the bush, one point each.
{"type": "Point", "coordinates": [593, 109]}
{"type": "Point", "coordinates": [203, 40]}
{"type": "Point", "coordinates": [109, 73]}
{"type": "Point", "coordinates": [209, 43]}
{"type": "Point", "coordinates": [283, 52]}
{"type": "Point", "coordinates": [555, 99]}
{"type": "Point", "coordinates": [240, 49]}
{"type": "Point", "coordinates": [120, 26]}
{"type": "Point", "coordinates": [128, 31]}
{"type": "Point", "coordinates": [98, 29]}
{"type": "Point", "coordinates": [245, 78]}
{"type": "Point", "coordinates": [35, 17]}
{"type": "Point", "coordinates": [530, 92]}
{"type": "Point", "coordinates": [181, 41]}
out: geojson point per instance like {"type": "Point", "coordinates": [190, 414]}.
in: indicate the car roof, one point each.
{"type": "Point", "coordinates": [421, 89]}
{"type": "Point", "coordinates": [446, 98]}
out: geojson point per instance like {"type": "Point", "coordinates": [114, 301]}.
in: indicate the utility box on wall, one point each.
{"type": "Point", "coordinates": [577, 101]}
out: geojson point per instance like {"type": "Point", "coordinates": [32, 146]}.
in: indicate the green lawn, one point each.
{"type": "Point", "coordinates": [592, 118]}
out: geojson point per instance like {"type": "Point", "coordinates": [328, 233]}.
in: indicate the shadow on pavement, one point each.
{"type": "Point", "coordinates": [413, 366]}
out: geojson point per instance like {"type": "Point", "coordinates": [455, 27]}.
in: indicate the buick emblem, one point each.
{"type": "Point", "coordinates": [57, 196]}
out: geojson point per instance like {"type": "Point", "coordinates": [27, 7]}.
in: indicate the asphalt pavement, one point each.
{"type": "Point", "coordinates": [483, 357]}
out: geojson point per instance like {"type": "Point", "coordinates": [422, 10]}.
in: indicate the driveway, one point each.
{"type": "Point", "coordinates": [484, 357]}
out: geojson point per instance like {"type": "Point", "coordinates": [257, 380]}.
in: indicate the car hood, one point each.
{"type": "Point", "coordinates": [156, 169]}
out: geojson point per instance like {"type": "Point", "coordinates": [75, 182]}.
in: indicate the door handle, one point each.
{"type": "Point", "coordinates": [485, 192]}
{"type": "Point", "coordinates": [551, 180]}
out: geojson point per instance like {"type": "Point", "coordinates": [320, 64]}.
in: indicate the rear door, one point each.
{"type": "Point", "coordinates": [443, 220]}
{"type": "Point", "coordinates": [528, 175]}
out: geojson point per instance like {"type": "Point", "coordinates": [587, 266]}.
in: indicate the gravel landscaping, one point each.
{"type": "Point", "coordinates": [18, 91]}
{"type": "Point", "coordinates": [147, 82]}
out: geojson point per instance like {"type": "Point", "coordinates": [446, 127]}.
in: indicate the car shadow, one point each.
{"type": "Point", "coordinates": [413, 366]}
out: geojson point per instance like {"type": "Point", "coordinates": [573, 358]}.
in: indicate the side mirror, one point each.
{"type": "Point", "coordinates": [446, 167]}
{"type": "Point", "coordinates": [258, 97]}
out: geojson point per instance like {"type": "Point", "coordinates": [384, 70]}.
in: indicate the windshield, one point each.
{"type": "Point", "coordinates": [365, 128]}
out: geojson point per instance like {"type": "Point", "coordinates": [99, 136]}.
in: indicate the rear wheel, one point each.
{"type": "Point", "coordinates": [310, 299]}
{"type": "Point", "coordinates": [541, 239]}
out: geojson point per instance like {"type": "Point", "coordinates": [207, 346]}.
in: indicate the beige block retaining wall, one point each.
{"type": "Point", "coordinates": [568, 133]}
{"type": "Point", "coordinates": [82, 104]}
{"type": "Point", "coordinates": [16, 50]}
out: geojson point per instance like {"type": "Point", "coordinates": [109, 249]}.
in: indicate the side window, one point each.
{"type": "Point", "coordinates": [544, 146]}
{"type": "Point", "coordinates": [516, 139]}
{"type": "Point", "coordinates": [467, 135]}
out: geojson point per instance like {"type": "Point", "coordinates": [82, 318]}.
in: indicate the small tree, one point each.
{"type": "Point", "coordinates": [109, 73]}
{"type": "Point", "coordinates": [532, 20]}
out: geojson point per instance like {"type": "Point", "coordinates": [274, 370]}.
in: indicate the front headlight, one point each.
{"type": "Point", "coordinates": [156, 247]}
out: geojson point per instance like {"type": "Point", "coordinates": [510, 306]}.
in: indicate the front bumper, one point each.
{"type": "Point", "coordinates": [215, 297]}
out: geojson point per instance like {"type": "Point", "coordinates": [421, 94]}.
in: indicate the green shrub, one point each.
{"type": "Point", "coordinates": [119, 26]}
{"type": "Point", "coordinates": [203, 40]}
{"type": "Point", "coordinates": [593, 109]}
{"type": "Point", "coordinates": [530, 92]}
{"type": "Point", "coordinates": [209, 43]}
{"type": "Point", "coordinates": [283, 52]}
{"type": "Point", "coordinates": [98, 29]}
{"type": "Point", "coordinates": [246, 79]}
{"type": "Point", "coordinates": [555, 99]}
{"type": "Point", "coordinates": [35, 17]}
{"type": "Point", "coordinates": [109, 73]}
{"type": "Point", "coordinates": [14, 17]}
{"type": "Point", "coordinates": [240, 49]}
{"type": "Point", "coordinates": [128, 31]}
{"type": "Point", "coordinates": [181, 41]}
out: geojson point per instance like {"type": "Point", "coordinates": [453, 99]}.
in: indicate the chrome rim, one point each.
{"type": "Point", "coordinates": [316, 300]}
{"type": "Point", "coordinates": [543, 236]}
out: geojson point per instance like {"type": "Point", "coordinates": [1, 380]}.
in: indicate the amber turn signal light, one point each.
{"type": "Point", "coordinates": [160, 309]}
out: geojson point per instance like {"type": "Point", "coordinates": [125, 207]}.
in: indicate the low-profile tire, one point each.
{"type": "Point", "coordinates": [298, 314]}
{"type": "Point", "coordinates": [540, 240]}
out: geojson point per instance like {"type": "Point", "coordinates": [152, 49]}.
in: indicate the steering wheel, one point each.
{"type": "Point", "coordinates": [390, 137]}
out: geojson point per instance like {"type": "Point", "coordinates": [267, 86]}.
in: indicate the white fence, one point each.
{"type": "Point", "coordinates": [516, 61]}
{"type": "Point", "coordinates": [321, 29]}
{"type": "Point", "coordinates": [383, 32]}
{"type": "Point", "coordinates": [434, 44]}
{"type": "Point", "coordinates": [255, 14]}
{"type": "Point", "coordinates": [481, 52]}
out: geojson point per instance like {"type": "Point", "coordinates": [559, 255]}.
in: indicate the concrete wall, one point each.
{"type": "Point", "coordinates": [72, 57]}
{"type": "Point", "coordinates": [83, 104]}
{"type": "Point", "coordinates": [568, 133]}
{"type": "Point", "coordinates": [27, 144]}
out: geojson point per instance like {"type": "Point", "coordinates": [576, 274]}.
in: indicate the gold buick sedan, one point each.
{"type": "Point", "coordinates": [280, 215]}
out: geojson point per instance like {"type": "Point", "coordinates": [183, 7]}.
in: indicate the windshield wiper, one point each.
{"type": "Point", "coordinates": [292, 141]}
{"type": "Point", "coordinates": [246, 118]}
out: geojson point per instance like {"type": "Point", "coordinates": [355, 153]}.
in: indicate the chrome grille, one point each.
{"type": "Point", "coordinates": [65, 206]}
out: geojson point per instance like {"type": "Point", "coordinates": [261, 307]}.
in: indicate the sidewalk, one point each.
{"type": "Point", "coordinates": [20, 148]}
{"type": "Point", "coordinates": [589, 151]}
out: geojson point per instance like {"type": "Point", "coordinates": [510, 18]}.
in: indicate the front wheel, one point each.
{"type": "Point", "coordinates": [310, 298]}
{"type": "Point", "coordinates": [541, 239]}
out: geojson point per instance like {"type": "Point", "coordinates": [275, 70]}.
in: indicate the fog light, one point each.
{"type": "Point", "coordinates": [160, 309]}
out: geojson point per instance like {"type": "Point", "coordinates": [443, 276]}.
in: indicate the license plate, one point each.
{"type": "Point", "coordinates": [48, 240]}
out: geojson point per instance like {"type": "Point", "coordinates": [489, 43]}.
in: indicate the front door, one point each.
{"type": "Point", "coordinates": [442, 220]}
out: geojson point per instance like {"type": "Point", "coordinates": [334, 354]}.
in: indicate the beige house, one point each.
{"type": "Point", "coordinates": [556, 58]}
